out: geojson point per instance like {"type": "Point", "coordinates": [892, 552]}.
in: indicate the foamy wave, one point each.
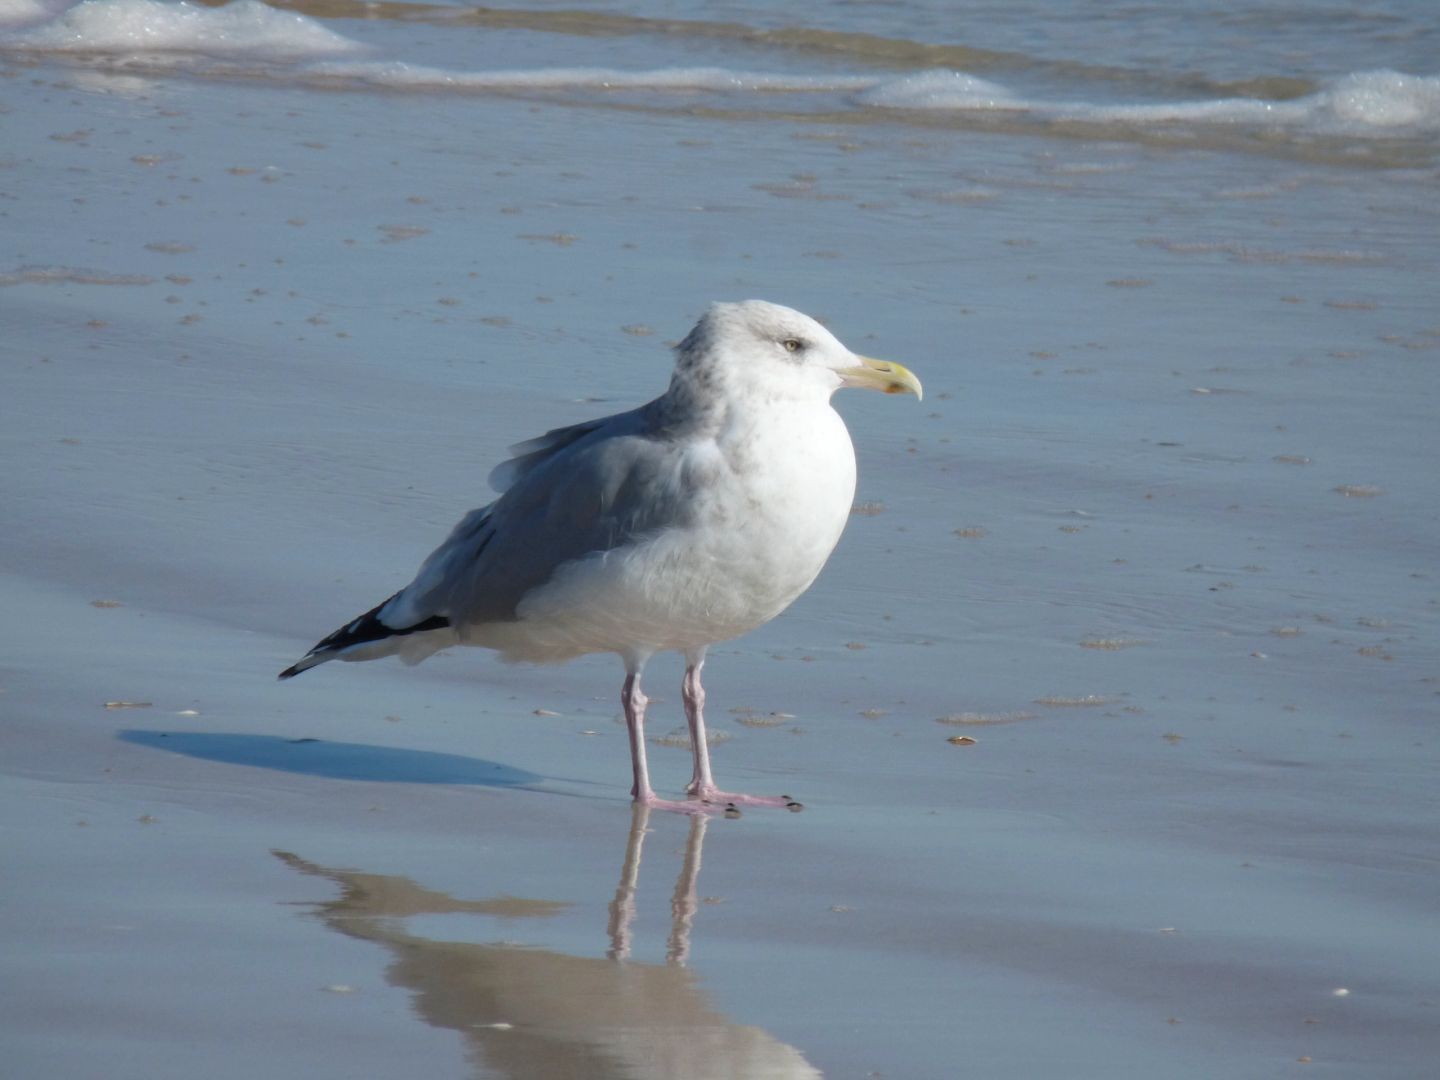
{"type": "Point", "coordinates": [1223, 111]}
{"type": "Point", "coordinates": [1365, 102]}
{"type": "Point", "coordinates": [246, 28]}
{"type": "Point", "coordinates": [19, 12]}
{"type": "Point", "coordinates": [418, 77]}
{"type": "Point", "coordinates": [248, 38]}
{"type": "Point", "coordinates": [1384, 99]}
{"type": "Point", "coordinates": [940, 90]}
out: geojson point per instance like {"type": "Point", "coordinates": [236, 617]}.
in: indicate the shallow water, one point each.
{"type": "Point", "coordinates": [1160, 539]}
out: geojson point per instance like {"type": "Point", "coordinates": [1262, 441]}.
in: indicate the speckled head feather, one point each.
{"type": "Point", "coordinates": [752, 349]}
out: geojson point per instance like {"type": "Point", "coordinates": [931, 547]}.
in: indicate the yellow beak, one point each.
{"type": "Point", "coordinates": [883, 375]}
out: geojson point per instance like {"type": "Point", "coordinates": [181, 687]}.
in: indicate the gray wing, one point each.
{"type": "Point", "coordinates": [532, 453]}
{"type": "Point", "coordinates": [572, 492]}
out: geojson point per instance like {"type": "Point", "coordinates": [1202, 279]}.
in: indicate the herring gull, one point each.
{"type": "Point", "coordinates": [685, 522]}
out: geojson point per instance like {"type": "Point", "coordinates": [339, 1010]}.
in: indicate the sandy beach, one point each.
{"type": "Point", "coordinates": [1113, 714]}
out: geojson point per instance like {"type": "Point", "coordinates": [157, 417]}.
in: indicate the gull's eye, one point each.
{"type": "Point", "coordinates": [793, 344]}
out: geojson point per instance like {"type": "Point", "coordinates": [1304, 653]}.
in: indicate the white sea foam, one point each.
{"type": "Point", "coordinates": [1384, 99]}
{"type": "Point", "coordinates": [1220, 111]}
{"type": "Point", "coordinates": [940, 90]}
{"type": "Point", "coordinates": [19, 12]}
{"type": "Point", "coordinates": [248, 33]}
{"type": "Point", "coordinates": [1362, 103]}
{"type": "Point", "coordinates": [419, 77]}
{"type": "Point", "coordinates": [244, 29]}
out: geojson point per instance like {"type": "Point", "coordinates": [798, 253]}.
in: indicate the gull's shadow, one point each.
{"type": "Point", "coordinates": [532, 1013]}
{"type": "Point", "coordinates": [334, 760]}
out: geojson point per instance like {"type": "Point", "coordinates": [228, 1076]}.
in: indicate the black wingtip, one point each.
{"type": "Point", "coordinates": [362, 631]}
{"type": "Point", "coordinates": [311, 659]}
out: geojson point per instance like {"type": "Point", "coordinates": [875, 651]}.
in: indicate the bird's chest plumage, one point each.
{"type": "Point", "coordinates": [785, 486]}
{"type": "Point", "coordinates": [759, 504]}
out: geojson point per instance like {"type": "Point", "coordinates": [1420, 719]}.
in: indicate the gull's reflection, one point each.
{"type": "Point", "coordinates": [682, 902]}
{"type": "Point", "coordinates": [534, 1013]}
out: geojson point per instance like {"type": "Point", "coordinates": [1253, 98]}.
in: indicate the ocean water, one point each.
{"type": "Point", "coordinates": [1276, 73]}
{"type": "Point", "coordinates": [280, 283]}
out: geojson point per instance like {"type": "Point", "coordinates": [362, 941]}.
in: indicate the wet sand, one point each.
{"type": "Point", "coordinates": [1158, 550]}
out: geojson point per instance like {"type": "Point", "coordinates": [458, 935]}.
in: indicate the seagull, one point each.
{"type": "Point", "coordinates": [688, 521]}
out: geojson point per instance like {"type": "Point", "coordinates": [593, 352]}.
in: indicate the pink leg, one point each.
{"type": "Point", "coordinates": [702, 783]}
{"type": "Point", "coordinates": [633, 701]}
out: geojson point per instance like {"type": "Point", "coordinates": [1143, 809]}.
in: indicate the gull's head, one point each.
{"type": "Point", "coordinates": [779, 350]}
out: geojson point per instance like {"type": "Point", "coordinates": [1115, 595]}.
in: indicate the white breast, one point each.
{"type": "Point", "coordinates": [772, 497]}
